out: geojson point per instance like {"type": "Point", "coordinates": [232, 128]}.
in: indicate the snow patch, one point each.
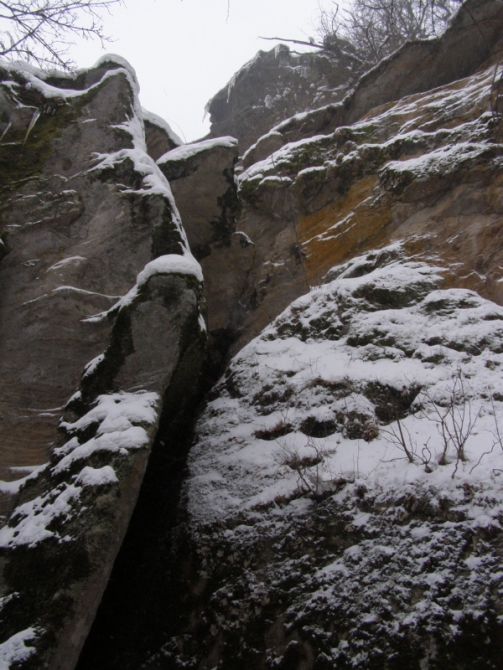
{"type": "Point", "coordinates": [116, 417]}
{"type": "Point", "coordinates": [186, 151]}
{"type": "Point", "coordinates": [16, 649]}
{"type": "Point", "coordinates": [97, 477]}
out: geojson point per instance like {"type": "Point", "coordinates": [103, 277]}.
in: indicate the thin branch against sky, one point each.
{"type": "Point", "coordinates": [185, 52]}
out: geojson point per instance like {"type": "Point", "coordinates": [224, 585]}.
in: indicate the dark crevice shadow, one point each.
{"type": "Point", "coordinates": [140, 602]}
{"type": "Point", "coordinates": [133, 611]}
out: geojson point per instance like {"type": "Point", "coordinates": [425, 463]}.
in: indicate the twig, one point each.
{"type": "Point", "coordinates": [284, 39]}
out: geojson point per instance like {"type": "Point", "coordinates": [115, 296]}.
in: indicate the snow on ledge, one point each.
{"type": "Point", "coordinates": [14, 486]}
{"type": "Point", "coordinates": [89, 476]}
{"type": "Point", "coordinates": [121, 62]}
{"type": "Point", "coordinates": [125, 420]}
{"type": "Point", "coordinates": [164, 265]}
{"type": "Point", "coordinates": [188, 150]}
{"type": "Point", "coordinates": [15, 650]}
{"type": "Point", "coordinates": [118, 415]}
{"type": "Point", "coordinates": [170, 264]}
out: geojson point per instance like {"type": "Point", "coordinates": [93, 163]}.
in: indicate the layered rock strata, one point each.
{"type": "Point", "coordinates": [427, 165]}
{"type": "Point", "coordinates": [419, 66]}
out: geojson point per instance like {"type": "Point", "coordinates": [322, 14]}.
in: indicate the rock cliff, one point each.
{"type": "Point", "coordinates": [100, 316]}
{"type": "Point", "coordinates": [274, 86]}
{"type": "Point", "coordinates": [340, 504]}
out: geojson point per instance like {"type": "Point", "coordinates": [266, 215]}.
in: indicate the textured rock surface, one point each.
{"type": "Point", "coordinates": [414, 68]}
{"type": "Point", "coordinates": [428, 166]}
{"type": "Point", "coordinates": [202, 179]}
{"type": "Point", "coordinates": [201, 176]}
{"type": "Point", "coordinates": [307, 537]}
{"type": "Point", "coordinates": [84, 210]}
{"type": "Point", "coordinates": [274, 86]}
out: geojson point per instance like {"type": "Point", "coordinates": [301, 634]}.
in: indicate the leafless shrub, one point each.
{"type": "Point", "coordinates": [400, 437]}
{"type": "Point", "coordinates": [455, 420]}
{"type": "Point", "coordinates": [497, 438]}
{"type": "Point", "coordinates": [309, 468]}
{"type": "Point", "coordinates": [369, 30]}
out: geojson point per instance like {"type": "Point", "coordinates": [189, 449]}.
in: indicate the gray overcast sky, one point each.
{"type": "Point", "coordinates": [184, 51]}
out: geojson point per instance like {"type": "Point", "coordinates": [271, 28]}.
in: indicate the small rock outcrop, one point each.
{"type": "Point", "coordinates": [159, 136]}
{"type": "Point", "coordinates": [274, 86]}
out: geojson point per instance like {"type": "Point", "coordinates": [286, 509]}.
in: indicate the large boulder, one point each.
{"type": "Point", "coordinates": [343, 504]}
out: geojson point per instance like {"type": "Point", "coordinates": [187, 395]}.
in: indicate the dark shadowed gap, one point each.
{"type": "Point", "coordinates": [135, 606]}
{"type": "Point", "coordinates": [139, 605]}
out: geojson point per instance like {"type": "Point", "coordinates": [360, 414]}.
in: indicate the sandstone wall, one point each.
{"type": "Point", "coordinates": [99, 315]}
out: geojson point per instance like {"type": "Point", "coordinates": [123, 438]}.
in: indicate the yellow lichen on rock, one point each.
{"type": "Point", "coordinates": [355, 222]}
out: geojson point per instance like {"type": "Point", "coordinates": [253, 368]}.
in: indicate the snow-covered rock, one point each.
{"type": "Point", "coordinates": [275, 85]}
{"type": "Point", "coordinates": [96, 275]}
{"type": "Point", "coordinates": [341, 505]}
{"type": "Point", "coordinates": [418, 66]}
{"type": "Point", "coordinates": [344, 505]}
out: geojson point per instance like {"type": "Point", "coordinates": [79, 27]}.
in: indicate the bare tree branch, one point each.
{"type": "Point", "coordinates": [284, 39]}
{"type": "Point", "coordinates": [370, 30]}
{"type": "Point", "coordinates": [41, 30]}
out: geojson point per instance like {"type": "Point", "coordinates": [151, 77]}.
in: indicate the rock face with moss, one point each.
{"type": "Point", "coordinates": [99, 318]}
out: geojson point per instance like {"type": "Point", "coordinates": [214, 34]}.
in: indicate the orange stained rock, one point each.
{"type": "Point", "coordinates": [351, 225]}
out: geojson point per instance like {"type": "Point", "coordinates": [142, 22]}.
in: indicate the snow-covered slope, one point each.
{"type": "Point", "coordinates": [344, 499]}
